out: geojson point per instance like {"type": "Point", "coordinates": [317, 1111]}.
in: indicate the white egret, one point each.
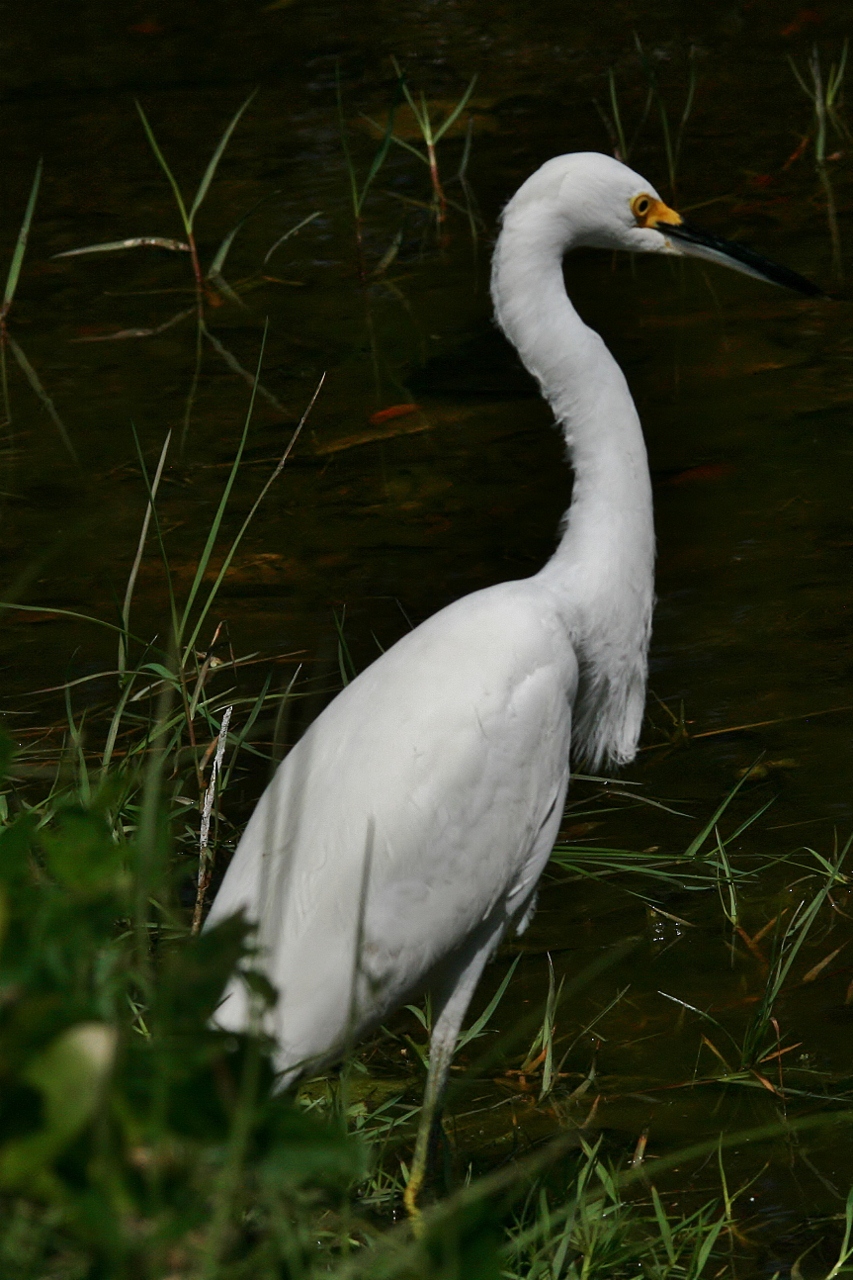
{"type": "Point", "coordinates": [406, 832]}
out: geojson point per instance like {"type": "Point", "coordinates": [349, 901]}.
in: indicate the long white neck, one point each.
{"type": "Point", "coordinates": [602, 573]}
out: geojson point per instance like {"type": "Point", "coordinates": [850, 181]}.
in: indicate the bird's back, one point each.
{"type": "Point", "coordinates": [423, 800]}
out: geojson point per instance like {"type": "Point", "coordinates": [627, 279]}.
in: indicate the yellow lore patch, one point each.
{"type": "Point", "coordinates": [651, 212]}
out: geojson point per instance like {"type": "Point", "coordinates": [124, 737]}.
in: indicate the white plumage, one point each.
{"type": "Point", "coordinates": [441, 737]}
{"type": "Point", "coordinates": [407, 830]}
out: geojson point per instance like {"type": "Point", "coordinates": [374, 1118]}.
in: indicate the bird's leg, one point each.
{"type": "Point", "coordinates": [445, 1032]}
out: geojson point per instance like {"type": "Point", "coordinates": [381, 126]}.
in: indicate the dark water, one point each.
{"type": "Point", "coordinates": [746, 394]}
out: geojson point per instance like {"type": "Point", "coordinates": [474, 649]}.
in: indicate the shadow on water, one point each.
{"type": "Point", "coordinates": [746, 395]}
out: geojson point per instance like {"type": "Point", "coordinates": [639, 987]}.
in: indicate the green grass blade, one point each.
{"type": "Point", "coordinates": [60, 613]}
{"type": "Point", "coordinates": [423, 124]}
{"type": "Point", "coordinates": [407, 146]}
{"type": "Point", "coordinates": [695, 845]}
{"type": "Point", "coordinates": [21, 243]}
{"type": "Point", "coordinates": [223, 288]}
{"type": "Point", "coordinates": [724, 874]}
{"type": "Point", "coordinates": [701, 1012]}
{"type": "Point", "coordinates": [348, 161]}
{"type": "Point", "coordinates": [637, 798]}
{"type": "Point", "coordinates": [835, 79]}
{"type": "Point", "coordinates": [225, 247]}
{"type": "Point", "coordinates": [378, 159]}
{"type": "Point", "coordinates": [476, 1027]}
{"type": "Point", "coordinates": [33, 379]}
{"type": "Point", "coordinates": [845, 1251]}
{"type": "Point", "coordinates": [688, 106]}
{"type": "Point", "coordinates": [667, 143]}
{"type": "Point", "coordinates": [161, 160]}
{"type": "Point", "coordinates": [795, 935]}
{"type": "Point", "coordinates": [803, 925]}
{"type": "Point", "coordinates": [152, 506]}
{"type": "Point", "coordinates": [214, 160]}
{"type": "Point", "coordinates": [4, 385]}
{"type": "Point", "coordinates": [212, 535]}
{"type": "Point", "coordinates": [617, 117]}
{"type": "Point", "coordinates": [137, 560]}
{"type": "Point", "coordinates": [235, 367]}
{"type": "Point", "coordinates": [115, 724]}
{"type": "Point", "coordinates": [222, 252]}
{"type": "Point", "coordinates": [226, 564]}
{"type": "Point", "coordinates": [707, 1245]}
{"type": "Point", "coordinates": [466, 151]}
{"type": "Point", "coordinates": [663, 1227]}
{"type": "Point", "coordinates": [247, 727]}
{"type": "Point", "coordinates": [799, 79]}
{"type": "Point", "coordinates": [133, 242]}
{"type": "Point", "coordinates": [457, 111]}
{"type": "Point", "coordinates": [346, 666]}
{"type": "Point", "coordinates": [292, 232]}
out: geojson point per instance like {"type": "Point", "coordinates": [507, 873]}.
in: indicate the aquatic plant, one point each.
{"type": "Point", "coordinates": [359, 190]}
{"type": "Point", "coordinates": [432, 133]}
{"type": "Point", "coordinates": [187, 211]}
{"type": "Point", "coordinates": [203, 281]}
{"type": "Point", "coordinates": [825, 96]}
{"type": "Point", "coordinates": [673, 138]}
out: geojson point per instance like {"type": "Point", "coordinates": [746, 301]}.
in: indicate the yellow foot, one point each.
{"type": "Point", "coordinates": [410, 1201]}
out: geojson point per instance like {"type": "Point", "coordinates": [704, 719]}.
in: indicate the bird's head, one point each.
{"type": "Point", "coordinates": [593, 200]}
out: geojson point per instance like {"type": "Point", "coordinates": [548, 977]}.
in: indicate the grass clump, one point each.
{"type": "Point", "coordinates": [135, 1139]}
{"type": "Point", "coordinates": [825, 92]}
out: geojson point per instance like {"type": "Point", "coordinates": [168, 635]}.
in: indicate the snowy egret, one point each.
{"type": "Point", "coordinates": [406, 832]}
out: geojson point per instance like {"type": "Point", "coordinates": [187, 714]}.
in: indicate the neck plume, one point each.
{"type": "Point", "coordinates": [602, 573]}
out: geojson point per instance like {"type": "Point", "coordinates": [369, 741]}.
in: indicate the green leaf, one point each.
{"type": "Point", "coordinates": [62, 613]}
{"type": "Point", "coordinates": [663, 1226]}
{"type": "Point", "coordinates": [34, 381]}
{"type": "Point", "coordinates": [195, 973]}
{"type": "Point", "coordinates": [15, 845]}
{"type": "Point", "coordinates": [70, 1074]}
{"type": "Point", "coordinates": [81, 853]}
{"type": "Point", "coordinates": [224, 249]}
{"type": "Point", "coordinates": [707, 1245]}
{"type": "Point", "coordinates": [21, 244]}
{"type": "Point", "coordinates": [214, 161]}
{"type": "Point", "coordinates": [160, 670]}
{"type": "Point", "coordinates": [161, 160]}
{"type": "Point", "coordinates": [692, 850]}
{"type": "Point", "coordinates": [457, 110]}
{"type": "Point", "coordinates": [302, 1149]}
{"type": "Point", "coordinates": [467, 1244]}
{"type": "Point", "coordinates": [476, 1027]}
{"type": "Point", "coordinates": [292, 232]}
{"type": "Point", "coordinates": [214, 529]}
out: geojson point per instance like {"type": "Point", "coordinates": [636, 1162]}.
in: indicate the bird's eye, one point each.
{"type": "Point", "coordinates": [640, 207]}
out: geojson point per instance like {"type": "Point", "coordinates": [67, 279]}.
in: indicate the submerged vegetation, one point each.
{"type": "Point", "coordinates": [137, 1141]}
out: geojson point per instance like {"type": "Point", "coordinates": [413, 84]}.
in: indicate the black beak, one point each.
{"type": "Point", "coordinates": [702, 244]}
